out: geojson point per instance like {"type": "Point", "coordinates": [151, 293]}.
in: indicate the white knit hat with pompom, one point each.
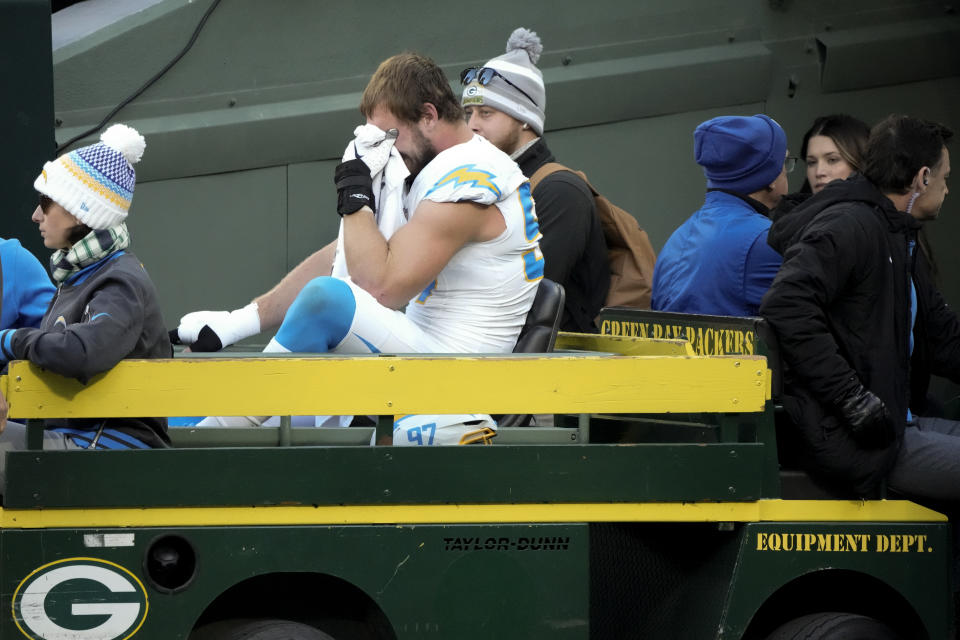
{"type": "Point", "coordinates": [522, 94]}
{"type": "Point", "coordinates": [95, 183]}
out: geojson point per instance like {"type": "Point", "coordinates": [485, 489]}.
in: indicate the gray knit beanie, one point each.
{"type": "Point", "coordinates": [518, 65]}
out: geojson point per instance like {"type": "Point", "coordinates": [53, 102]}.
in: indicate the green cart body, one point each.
{"type": "Point", "coordinates": [551, 532]}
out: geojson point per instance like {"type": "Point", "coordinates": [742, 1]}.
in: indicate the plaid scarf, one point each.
{"type": "Point", "coordinates": [94, 246]}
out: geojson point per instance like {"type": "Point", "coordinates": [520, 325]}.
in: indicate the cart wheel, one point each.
{"type": "Point", "coordinates": [834, 626]}
{"type": "Point", "coordinates": [258, 630]}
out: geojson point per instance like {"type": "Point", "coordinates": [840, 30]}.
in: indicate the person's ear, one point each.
{"type": "Point", "coordinates": [428, 114]}
{"type": "Point", "coordinates": [922, 180]}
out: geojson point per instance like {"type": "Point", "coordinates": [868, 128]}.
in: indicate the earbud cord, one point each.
{"type": "Point", "coordinates": [913, 198]}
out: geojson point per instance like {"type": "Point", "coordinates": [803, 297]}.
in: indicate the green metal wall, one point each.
{"type": "Point", "coordinates": [242, 135]}
{"type": "Point", "coordinates": [26, 114]}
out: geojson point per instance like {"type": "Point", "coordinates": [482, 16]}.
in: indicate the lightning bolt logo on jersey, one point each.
{"type": "Point", "coordinates": [480, 299]}
{"type": "Point", "coordinates": [467, 175]}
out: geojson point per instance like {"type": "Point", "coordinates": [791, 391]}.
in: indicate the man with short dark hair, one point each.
{"type": "Point", "coordinates": [718, 261]}
{"type": "Point", "coordinates": [505, 102]}
{"type": "Point", "coordinates": [861, 325]}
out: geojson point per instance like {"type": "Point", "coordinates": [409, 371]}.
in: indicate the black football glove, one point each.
{"type": "Point", "coordinates": [354, 187]}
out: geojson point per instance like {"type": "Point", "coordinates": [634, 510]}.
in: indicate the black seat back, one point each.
{"type": "Point", "coordinates": [538, 335]}
{"type": "Point", "coordinates": [539, 331]}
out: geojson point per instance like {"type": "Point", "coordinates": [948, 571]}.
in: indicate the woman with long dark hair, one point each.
{"type": "Point", "coordinates": [832, 149]}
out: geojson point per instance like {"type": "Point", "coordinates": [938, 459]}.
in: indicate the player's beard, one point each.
{"type": "Point", "coordinates": [424, 152]}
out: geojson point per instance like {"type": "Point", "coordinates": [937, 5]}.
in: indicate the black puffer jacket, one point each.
{"type": "Point", "coordinates": [840, 308]}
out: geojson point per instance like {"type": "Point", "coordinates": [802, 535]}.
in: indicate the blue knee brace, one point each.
{"type": "Point", "coordinates": [319, 317]}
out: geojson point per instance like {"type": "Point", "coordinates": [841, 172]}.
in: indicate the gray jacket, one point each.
{"type": "Point", "coordinates": [105, 313]}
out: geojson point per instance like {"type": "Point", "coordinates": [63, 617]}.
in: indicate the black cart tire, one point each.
{"type": "Point", "coordinates": [834, 626]}
{"type": "Point", "coordinates": [258, 630]}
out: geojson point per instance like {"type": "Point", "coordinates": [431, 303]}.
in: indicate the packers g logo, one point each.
{"type": "Point", "coordinates": [472, 95]}
{"type": "Point", "coordinates": [80, 599]}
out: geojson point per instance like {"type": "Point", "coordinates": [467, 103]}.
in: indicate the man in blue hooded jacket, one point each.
{"type": "Point", "coordinates": [718, 261]}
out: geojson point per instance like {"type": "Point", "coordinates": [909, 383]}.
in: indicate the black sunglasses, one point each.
{"type": "Point", "coordinates": [483, 76]}
{"type": "Point", "coordinates": [45, 203]}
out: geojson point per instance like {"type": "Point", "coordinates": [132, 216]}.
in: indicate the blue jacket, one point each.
{"type": "Point", "coordinates": [718, 261]}
{"type": "Point", "coordinates": [27, 289]}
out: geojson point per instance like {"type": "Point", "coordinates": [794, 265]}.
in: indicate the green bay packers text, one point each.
{"type": "Point", "coordinates": [706, 341]}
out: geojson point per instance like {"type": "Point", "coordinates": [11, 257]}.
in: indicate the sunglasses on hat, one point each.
{"type": "Point", "coordinates": [483, 76]}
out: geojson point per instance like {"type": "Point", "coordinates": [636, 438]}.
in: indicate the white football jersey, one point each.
{"type": "Point", "coordinates": [480, 299]}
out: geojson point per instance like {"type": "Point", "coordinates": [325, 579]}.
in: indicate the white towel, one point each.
{"type": "Point", "coordinates": [387, 186]}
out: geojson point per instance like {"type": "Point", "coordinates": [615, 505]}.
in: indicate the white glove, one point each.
{"type": "Point", "coordinates": [214, 330]}
{"type": "Point", "coordinates": [372, 145]}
